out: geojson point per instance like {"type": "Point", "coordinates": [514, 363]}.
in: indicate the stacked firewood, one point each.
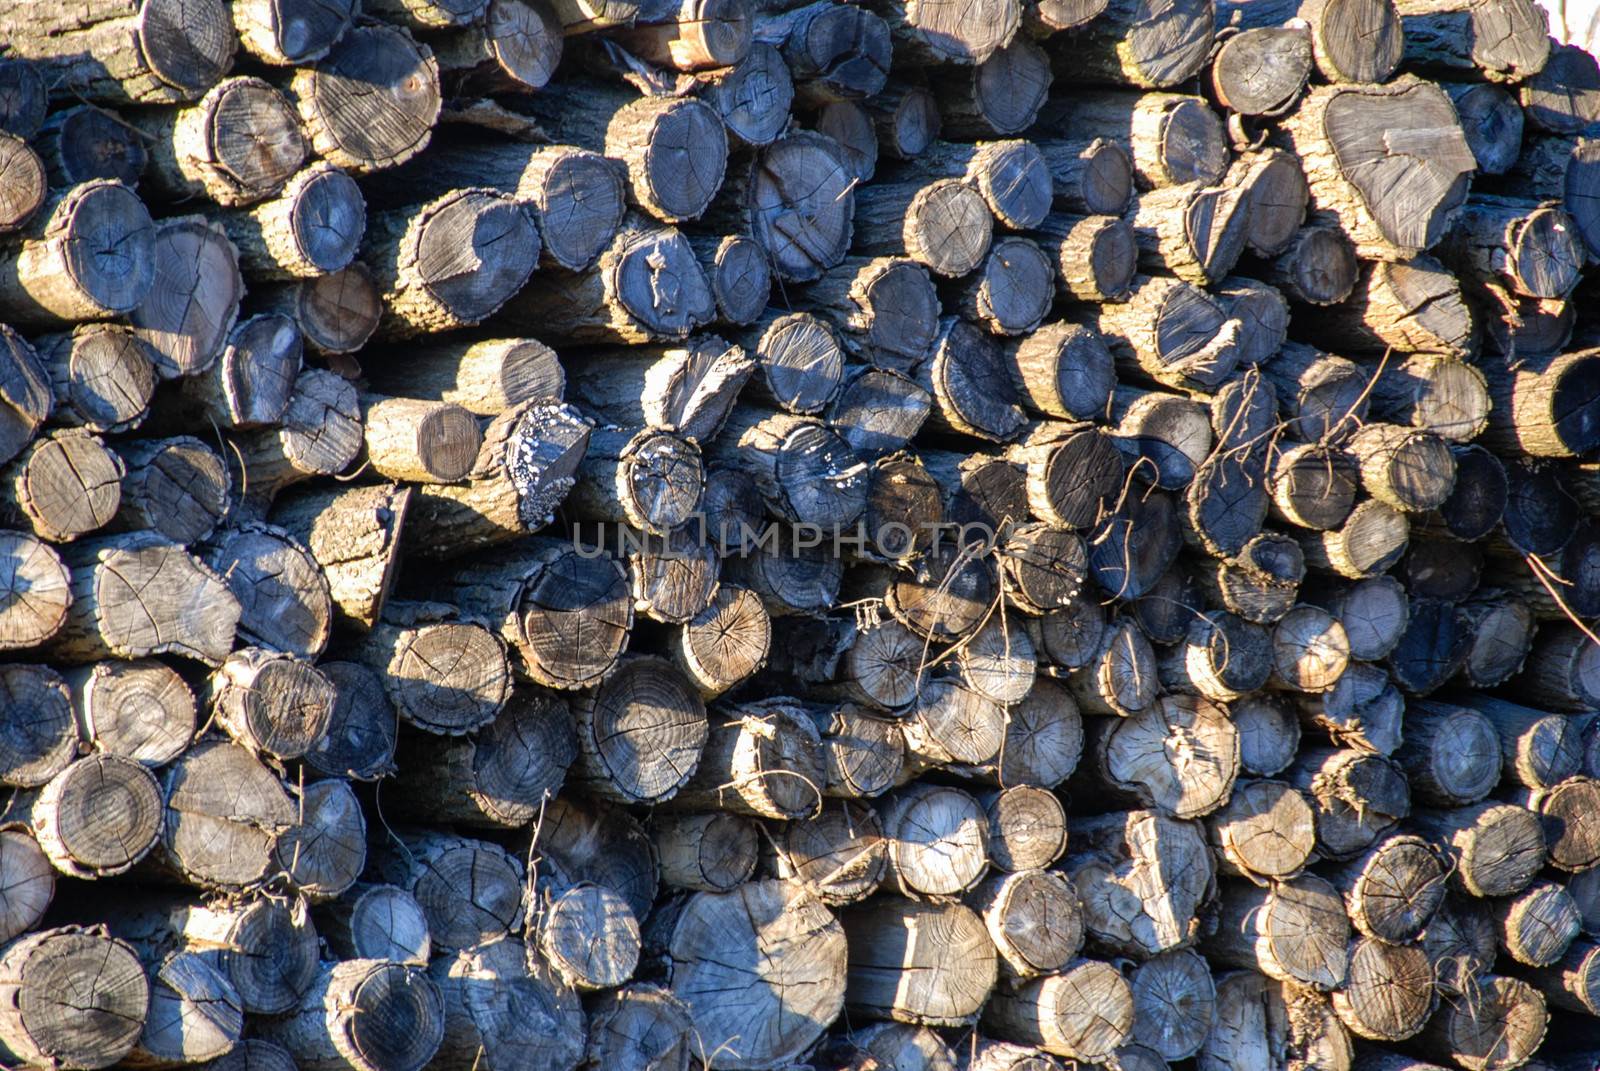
{"type": "Point", "coordinates": [1017, 535]}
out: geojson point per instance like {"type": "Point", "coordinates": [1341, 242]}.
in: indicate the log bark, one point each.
{"type": "Point", "coordinates": [54, 279]}
{"type": "Point", "coordinates": [372, 102]}
{"type": "Point", "coordinates": [776, 946]}
{"type": "Point", "coordinates": [1175, 333]}
{"type": "Point", "coordinates": [353, 538]}
{"type": "Point", "coordinates": [1336, 132]}
{"type": "Point", "coordinates": [840, 856]}
{"type": "Point", "coordinates": [1265, 1023]}
{"type": "Point", "coordinates": [1501, 42]}
{"type": "Point", "coordinates": [136, 595]}
{"type": "Point", "coordinates": [126, 52]}
{"type": "Point", "coordinates": [366, 1014]}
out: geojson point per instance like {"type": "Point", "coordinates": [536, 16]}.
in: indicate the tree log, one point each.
{"type": "Point", "coordinates": [1095, 257]}
{"type": "Point", "coordinates": [375, 922]}
{"type": "Point", "coordinates": [1176, 334]}
{"type": "Point", "coordinates": [95, 1020]}
{"type": "Point", "coordinates": [1504, 41]}
{"type": "Point", "coordinates": [539, 1026]}
{"type": "Point", "coordinates": [324, 852]}
{"type": "Point", "coordinates": [1293, 931]}
{"type": "Point", "coordinates": [65, 485]}
{"type": "Point", "coordinates": [1450, 754]}
{"type": "Point", "coordinates": [1388, 992]}
{"type": "Point", "coordinates": [366, 1014]}
{"type": "Point", "coordinates": [273, 704]}
{"type": "Point", "coordinates": [194, 300]}
{"type": "Point", "coordinates": [1264, 833]}
{"type": "Point", "coordinates": [1085, 1011]}
{"type": "Point", "coordinates": [1142, 878]}
{"type": "Point", "coordinates": [1033, 918]}
{"type": "Point", "coordinates": [1495, 848]}
{"type": "Point", "coordinates": [944, 225]}
{"type": "Point", "coordinates": [1142, 43]}
{"type": "Point", "coordinates": [224, 813]}
{"type": "Point", "coordinates": [1500, 1025]}
{"type": "Point", "coordinates": [372, 102]}
{"type": "Point", "coordinates": [54, 277]}
{"type": "Point", "coordinates": [1262, 71]}
{"type": "Point", "coordinates": [1358, 797]}
{"type": "Point", "coordinates": [1175, 139]}
{"type": "Point", "coordinates": [1265, 1023]}
{"type": "Point", "coordinates": [840, 856]}
{"type": "Point", "coordinates": [336, 313]}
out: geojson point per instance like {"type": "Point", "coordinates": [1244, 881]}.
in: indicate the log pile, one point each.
{"type": "Point", "coordinates": [763, 535]}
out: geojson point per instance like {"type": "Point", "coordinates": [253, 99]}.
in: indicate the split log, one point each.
{"type": "Point", "coordinates": [324, 852]}
{"type": "Point", "coordinates": [1416, 306]}
{"type": "Point", "coordinates": [1351, 42]}
{"type": "Point", "coordinates": [194, 1013]}
{"type": "Point", "coordinates": [370, 1015]}
{"type": "Point", "coordinates": [336, 313]}
{"type": "Point", "coordinates": [101, 377]}
{"type": "Point", "coordinates": [1293, 931]}
{"type": "Point", "coordinates": [1264, 833]}
{"type": "Point", "coordinates": [52, 278]}
{"type": "Point", "coordinates": [1142, 878]}
{"type": "Point", "coordinates": [178, 487]}
{"type": "Point", "coordinates": [943, 225]}
{"type": "Point", "coordinates": [762, 969]}
{"type": "Point", "coordinates": [1450, 754]}
{"type": "Point", "coordinates": [140, 710]}
{"type": "Point", "coordinates": [1141, 44]}
{"type": "Point", "coordinates": [1335, 131]}
{"type": "Point", "coordinates": [1131, 761]}
{"type": "Point", "coordinates": [126, 52]}
{"type": "Point", "coordinates": [1265, 1023]}
{"type": "Point", "coordinates": [80, 998]}
{"type": "Point", "coordinates": [1032, 916]}
{"type": "Point", "coordinates": [470, 891]}
{"type": "Point", "coordinates": [525, 468]}
{"type": "Point", "coordinates": [194, 300]}
{"type": "Point", "coordinates": [65, 485]}
{"type": "Point", "coordinates": [1499, 1026]}
{"type": "Point", "coordinates": [1362, 710]}
{"type": "Point", "coordinates": [1562, 98]}
{"type": "Point", "coordinates": [1083, 1012]}
{"type": "Point", "coordinates": [1358, 797]}
{"type": "Point", "coordinates": [237, 145]}
{"type": "Point", "coordinates": [1262, 71]}
{"type": "Point", "coordinates": [645, 287]}
{"type": "Point", "coordinates": [1095, 257]}
{"type": "Point", "coordinates": [1317, 266]}
{"type": "Point", "coordinates": [1491, 119]}
{"type": "Point", "coordinates": [136, 595]}
{"type": "Point", "coordinates": [372, 102]}
{"type": "Point", "coordinates": [840, 856]}
{"type": "Point", "coordinates": [1177, 334]}
{"type": "Point", "coordinates": [271, 703]}
{"type": "Point", "coordinates": [1388, 992]}
{"type": "Point", "coordinates": [1175, 139]}
{"type": "Point", "coordinates": [1496, 848]}
{"type": "Point", "coordinates": [224, 813]}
